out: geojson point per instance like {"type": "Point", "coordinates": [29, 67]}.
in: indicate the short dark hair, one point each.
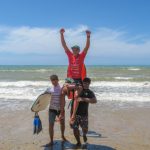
{"type": "Point", "coordinates": [75, 46]}
{"type": "Point", "coordinates": [87, 80]}
{"type": "Point", "coordinates": [53, 77]}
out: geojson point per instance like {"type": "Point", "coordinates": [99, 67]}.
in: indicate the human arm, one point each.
{"type": "Point", "coordinates": [88, 100]}
{"type": "Point", "coordinates": [76, 104]}
{"type": "Point", "coordinates": [63, 40]}
{"type": "Point", "coordinates": [62, 104]}
{"type": "Point", "coordinates": [88, 33]}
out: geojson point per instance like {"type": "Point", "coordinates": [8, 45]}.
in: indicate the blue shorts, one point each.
{"type": "Point", "coordinates": [52, 115]}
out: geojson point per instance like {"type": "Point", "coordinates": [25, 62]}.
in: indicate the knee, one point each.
{"type": "Point", "coordinates": [51, 125]}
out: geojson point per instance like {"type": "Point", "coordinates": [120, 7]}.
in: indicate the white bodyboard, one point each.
{"type": "Point", "coordinates": [41, 102]}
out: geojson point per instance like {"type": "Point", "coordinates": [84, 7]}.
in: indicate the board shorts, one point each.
{"type": "Point", "coordinates": [81, 121]}
{"type": "Point", "coordinates": [52, 115]}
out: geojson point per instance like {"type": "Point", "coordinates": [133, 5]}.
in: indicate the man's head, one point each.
{"type": "Point", "coordinates": [54, 79]}
{"type": "Point", "coordinates": [75, 49]}
{"type": "Point", "coordinates": [86, 83]}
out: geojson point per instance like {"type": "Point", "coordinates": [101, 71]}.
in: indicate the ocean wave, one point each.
{"type": "Point", "coordinates": [117, 91]}
{"type": "Point", "coordinates": [123, 97]}
{"type": "Point", "coordinates": [24, 83]}
{"type": "Point", "coordinates": [123, 78]}
{"type": "Point", "coordinates": [119, 84]}
{"type": "Point", "coordinates": [26, 70]}
{"type": "Point", "coordinates": [134, 69]}
{"type": "Point", "coordinates": [18, 93]}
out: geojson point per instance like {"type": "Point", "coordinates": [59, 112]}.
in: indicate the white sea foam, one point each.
{"type": "Point", "coordinates": [20, 93]}
{"type": "Point", "coordinates": [122, 91]}
{"type": "Point", "coordinates": [119, 84]}
{"type": "Point", "coordinates": [123, 97]}
{"type": "Point", "coordinates": [123, 78]}
{"type": "Point", "coordinates": [134, 69]}
{"type": "Point", "coordinates": [21, 90]}
{"type": "Point", "coordinates": [26, 70]}
{"type": "Point", "coordinates": [23, 83]}
{"type": "Point", "coordinates": [105, 90]}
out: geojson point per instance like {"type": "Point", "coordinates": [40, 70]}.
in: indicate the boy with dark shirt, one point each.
{"type": "Point", "coordinates": [81, 118]}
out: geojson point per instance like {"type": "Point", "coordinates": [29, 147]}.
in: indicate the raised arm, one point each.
{"type": "Point", "coordinates": [88, 33]}
{"type": "Point", "coordinates": [63, 40]}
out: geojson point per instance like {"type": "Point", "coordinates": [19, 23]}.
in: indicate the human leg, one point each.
{"type": "Point", "coordinates": [84, 126]}
{"type": "Point", "coordinates": [52, 116]}
{"type": "Point", "coordinates": [75, 127]}
{"type": "Point", "coordinates": [62, 128]}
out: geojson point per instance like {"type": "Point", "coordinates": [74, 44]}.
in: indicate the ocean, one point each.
{"type": "Point", "coordinates": [110, 83]}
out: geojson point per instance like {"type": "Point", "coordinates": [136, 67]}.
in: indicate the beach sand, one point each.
{"type": "Point", "coordinates": [121, 127]}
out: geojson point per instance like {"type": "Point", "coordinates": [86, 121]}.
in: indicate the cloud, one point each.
{"type": "Point", "coordinates": [36, 40]}
{"type": "Point", "coordinates": [106, 44]}
{"type": "Point", "coordinates": [29, 40]}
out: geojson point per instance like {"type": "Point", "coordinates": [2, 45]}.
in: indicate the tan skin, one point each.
{"type": "Point", "coordinates": [62, 122]}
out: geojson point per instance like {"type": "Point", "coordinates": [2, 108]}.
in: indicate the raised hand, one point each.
{"type": "Point", "coordinates": [62, 30]}
{"type": "Point", "coordinates": [88, 33]}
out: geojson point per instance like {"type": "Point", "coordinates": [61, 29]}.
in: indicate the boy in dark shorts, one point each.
{"type": "Point", "coordinates": [81, 118]}
{"type": "Point", "coordinates": [55, 108]}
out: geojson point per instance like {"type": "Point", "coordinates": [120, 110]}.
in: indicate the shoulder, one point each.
{"type": "Point", "coordinates": [83, 53]}
{"type": "Point", "coordinates": [48, 90]}
{"type": "Point", "coordinates": [87, 93]}
{"type": "Point", "coordinates": [91, 93]}
{"type": "Point", "coordinates": [59, 87]}
{"type": "Point", "coordinates": [68, 52]}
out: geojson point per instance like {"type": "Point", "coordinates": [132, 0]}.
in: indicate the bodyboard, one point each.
{"type": "Point", "coordinates": [41, 102]}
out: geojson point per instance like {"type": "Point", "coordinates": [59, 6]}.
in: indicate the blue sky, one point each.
{"type": "Point", "coordinates": [29, 31]}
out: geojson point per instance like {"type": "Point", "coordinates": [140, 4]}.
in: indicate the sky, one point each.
{"type": "Point", "coordinates": [29, 31]}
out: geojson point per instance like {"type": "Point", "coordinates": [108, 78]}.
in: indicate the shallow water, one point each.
{"type": "Point", "coordinates": [110, 83]}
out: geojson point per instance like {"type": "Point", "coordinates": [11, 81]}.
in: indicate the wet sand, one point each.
{"type": "Point", "coordinates": [121, 127]}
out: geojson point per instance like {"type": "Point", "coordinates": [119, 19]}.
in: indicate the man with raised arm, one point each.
{"type": "Point", "coordinates": [76, 68]}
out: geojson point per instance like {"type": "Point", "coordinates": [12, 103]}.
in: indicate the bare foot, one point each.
{"type": "Point", "coordinates": [84, 138]}
{"type": "Point", "coordinates": [78, 144]}
{"type": "Point", "coordinates": [49, 144]}
{"type": "Point", "coordinates": [64, 139]}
